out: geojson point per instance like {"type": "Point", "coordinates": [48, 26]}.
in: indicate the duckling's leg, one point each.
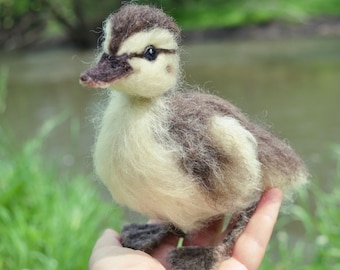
{"type": "Point", "coordinates": [208, 258]}
{"type": "Point", "coordinates": [145, 237]}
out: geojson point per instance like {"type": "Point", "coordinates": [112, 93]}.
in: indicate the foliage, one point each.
{"type": "Point", "coordinates": [49, 219]}
{"type": "Point", "coordinates": [80, 18]}
{"type": "Point", "coordinates": [3, 90]}
{"type": "Point", "coordinates": [21, 22]}
{"type": "Point", "coordinates": [316, 216]}
{"type": "Point", "coordinates": [11, 10]}
{"type": "Point", "coordinates": [236, 13]}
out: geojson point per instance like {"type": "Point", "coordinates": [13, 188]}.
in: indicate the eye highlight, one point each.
{"type": "Point", "coordinates": [150, 53]}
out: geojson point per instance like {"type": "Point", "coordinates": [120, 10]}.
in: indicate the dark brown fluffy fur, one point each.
{"type": "Point", "coordinates": [189, 126]}
{"type": "Point", "coordinates": [134, 18]}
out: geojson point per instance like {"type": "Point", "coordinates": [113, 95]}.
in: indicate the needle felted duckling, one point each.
{"type": "Point", "coordinates": [176, 155]}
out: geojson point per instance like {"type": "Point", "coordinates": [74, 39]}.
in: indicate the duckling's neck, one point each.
{"type": "Point", "coordinates": [138, 101]}
{"type": "Point", "coordinates": [125, 106]}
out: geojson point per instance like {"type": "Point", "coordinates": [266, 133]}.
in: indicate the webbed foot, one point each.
{"type": "Point", "coordinates": [194, 258]}
{"type": "Point", "coordinates": [145, 237]}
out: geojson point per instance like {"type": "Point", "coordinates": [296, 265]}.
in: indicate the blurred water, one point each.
{"type": "Point", "coordinates": [293, 85]}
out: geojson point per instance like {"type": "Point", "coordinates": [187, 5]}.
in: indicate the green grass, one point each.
{"type": "Point", "coordinates": [49, 219]}
{"type": "Point", "coordinates": [315, 216]}
{"type": "Point", "coordinates": [210, 14]}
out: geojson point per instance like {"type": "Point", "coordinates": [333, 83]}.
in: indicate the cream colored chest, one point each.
{"type": "Point", "coordinates": [140, 172]}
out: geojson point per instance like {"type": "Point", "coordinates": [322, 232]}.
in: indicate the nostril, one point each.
{"type": "Point", "coordinates": [84, 78]}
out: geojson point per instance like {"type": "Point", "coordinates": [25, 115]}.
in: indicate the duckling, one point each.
{"type": "Point", "coordinates": [177, 155]}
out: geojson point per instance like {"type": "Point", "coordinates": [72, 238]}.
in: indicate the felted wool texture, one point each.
{"type": "Point", "coordinates": [143, 174]}
{"type": "Point", "coordinates": [142, 163]}
{"type": "Point", "coordinates": [133, 18]}
{"type": "Point", "coordinates": [281, 166]}
{"type": "Point", "coordinates": [176, 155]}
{"type": "Point", "coordinates": [152, 77]}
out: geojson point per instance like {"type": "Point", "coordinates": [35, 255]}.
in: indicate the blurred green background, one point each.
{"type": "Point", "coordinates": [279, 60]}
{"type": "Point", "coordinates": [26, 22]}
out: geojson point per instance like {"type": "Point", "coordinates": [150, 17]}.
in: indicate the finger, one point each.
{"type": "Point", "coordinates": [108, 253]}
{"type": "Point", "coordinates": [155, 221]}
{"type": "Point", "coordinates": [161, 252]}
{"type": "Point", "coordinates": [168, 243]}
{"type": "Point", "coordinates": [251, 246]}
{"type": "Point", "coordinates": [207, 236]}
{"type": "Point", "coordinates": [107, 239]}
{"type": "Point", "coordinates": [232, 263]}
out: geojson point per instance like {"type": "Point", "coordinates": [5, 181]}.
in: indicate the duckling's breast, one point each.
{"type": "Point", "coordinates": [142, 171]}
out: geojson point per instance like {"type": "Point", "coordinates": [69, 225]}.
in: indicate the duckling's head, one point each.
{"type": "Point", "coordinates": [139, 54]}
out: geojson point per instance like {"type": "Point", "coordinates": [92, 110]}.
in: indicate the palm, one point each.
{"type": "Point", "coordinates": [108, 254]}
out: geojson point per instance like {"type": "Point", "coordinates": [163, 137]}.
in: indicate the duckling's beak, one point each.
{"type": "Point", "coordinates": [108, 70]}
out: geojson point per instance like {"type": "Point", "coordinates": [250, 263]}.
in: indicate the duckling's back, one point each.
{"type": "Point", "coordinates": [190, 126]}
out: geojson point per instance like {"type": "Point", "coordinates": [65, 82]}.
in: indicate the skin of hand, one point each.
{"type": "Point", "coordinates": [248, 253]}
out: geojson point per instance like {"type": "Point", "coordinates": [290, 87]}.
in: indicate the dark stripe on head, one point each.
{"type": "Point", "coordinates": [132, 18]}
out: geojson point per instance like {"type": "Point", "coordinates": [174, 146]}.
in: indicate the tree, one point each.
{"type": "Point", "coordinates": [81, 19]}
{"type": "Point", "coordinates": [21, 22]}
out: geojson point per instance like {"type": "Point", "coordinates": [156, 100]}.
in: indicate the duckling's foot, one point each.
{"type": "Point", "coordinates": [194, 258]}
{"type": "Point", "coordinates": [145, 237]}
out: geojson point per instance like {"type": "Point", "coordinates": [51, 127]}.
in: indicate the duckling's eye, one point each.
{"type": "Point", "coordinates": [150, 53]}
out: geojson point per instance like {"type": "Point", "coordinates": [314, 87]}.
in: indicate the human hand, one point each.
{"type": "Point", "coordinates": [248, 253]}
